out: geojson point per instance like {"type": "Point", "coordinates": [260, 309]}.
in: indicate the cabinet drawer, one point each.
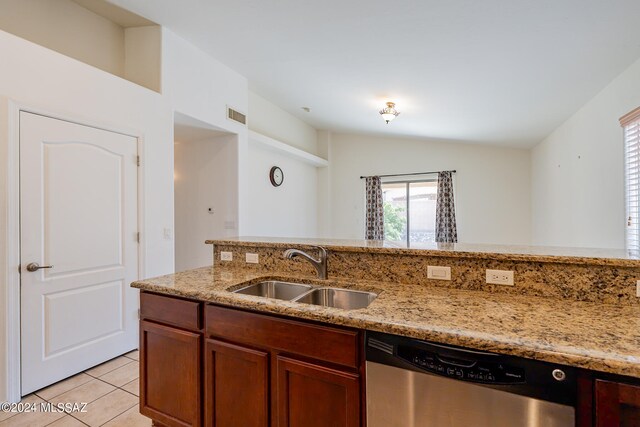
{"type": "Point", "coordinates": [174, 311]}
{"type": "Point", "coordinates": [324, 343]}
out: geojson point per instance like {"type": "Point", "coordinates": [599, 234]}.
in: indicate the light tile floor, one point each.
{"type": "Point", "coordinates": [110, 389]}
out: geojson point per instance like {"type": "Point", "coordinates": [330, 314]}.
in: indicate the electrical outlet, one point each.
{"type": "Point", "coordinates": [226, 256]}
{"type": "Point", "coordinates": [500, 277]}
{"type": "Point", "coordinates": [251, 258]}
{"type": "Point", "coordinates": [438, 273]}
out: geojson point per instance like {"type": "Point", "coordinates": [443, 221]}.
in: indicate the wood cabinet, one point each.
{"type": "Point", "coordinates": [224, 367]}
{"type": "Point", "coordinates": [322, 343]}
{"type": "Point", "coordinates": [236, 385]}
{"type": "Point", "coordinates": [170, 361]}
{"type": "Point", "coordinates": [617, 404]}
{"type": "Point", "coordinates": [310, 395]}
{"type": "Point", "coordinates": [264, 370]}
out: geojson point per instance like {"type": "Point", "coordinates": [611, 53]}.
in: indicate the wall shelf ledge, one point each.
{"type": "Point", "coordinates": [286, 149]}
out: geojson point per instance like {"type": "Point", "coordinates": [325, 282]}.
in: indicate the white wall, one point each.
{"type": "Point", "coordinates": [39, 77]}
{"type": "Point", "coordinates": [291, 209]}
{"type": "Point", "coordinates": [6, 258]}
{"type": "Point", "coordinates": [199, 86]}
{"type": "Point", "coordinates": [578, 172]}
{"type": "Point", "coordinates": [205, 177]}
{"type": "Point", "coordinates": [325, 226]}
{"type": "Point", "coordinates": [270, 120]}
{"type": "Point", "coordinates": [492, 183]}
{"type": "Point", "coordinates": [286, 211]}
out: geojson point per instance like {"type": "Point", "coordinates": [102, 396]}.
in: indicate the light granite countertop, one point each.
{"type": "Point", "coordinates": [554, 254]}
{"type": "Point", "coordinates": [588, 335]}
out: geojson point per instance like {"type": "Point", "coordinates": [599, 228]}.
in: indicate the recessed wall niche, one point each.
{"type": "Point", "coordinates": [95, 32]}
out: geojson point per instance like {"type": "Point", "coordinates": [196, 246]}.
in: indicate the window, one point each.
{"type": "Point", "coordinates": [631, 125]}
{"type": "Point", "coordinates": [410, 211]}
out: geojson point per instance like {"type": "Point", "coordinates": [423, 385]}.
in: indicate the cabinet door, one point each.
{"type": "Point", "coordinates": [310, 395]}
{"type": "Point", "coordinates": [170, 384]}
{"type": "Point", "coordinates": [617, 404]}
{"type": "Point", "coordinates": [236, 386]}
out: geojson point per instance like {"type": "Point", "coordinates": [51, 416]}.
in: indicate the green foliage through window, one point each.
{"type": "Point", "coordinates": [394, 222]}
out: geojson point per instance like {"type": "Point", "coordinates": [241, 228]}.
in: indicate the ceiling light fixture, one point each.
{"type": "Point", "coordinates": [389, 112]}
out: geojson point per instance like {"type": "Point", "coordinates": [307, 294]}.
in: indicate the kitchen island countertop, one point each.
{"type": "Point", "coordinates": [593, 336]}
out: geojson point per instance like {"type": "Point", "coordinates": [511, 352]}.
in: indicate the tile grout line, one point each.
{"type": "Point", "coordinates": [105, 373]}
{"type": "Point", "coordinates": [131, 360]}
{"type": "Point", "coordinates": [79, 420]}
{"type": "Point", "coordinates": [116, 388]}
{"type": "Point", "coordinates": [116, 416]}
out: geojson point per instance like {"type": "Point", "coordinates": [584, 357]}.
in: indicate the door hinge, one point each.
{"type": "Point", "coordinates": [138, 314]}
{"type": "Point", "coordinates": [138, 237]}
{"type": "Point", "coordinates": [138, 160]}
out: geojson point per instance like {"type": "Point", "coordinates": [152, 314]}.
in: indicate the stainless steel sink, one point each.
{"type": "Point", "coordinates": [346, 299]}
{"type": "Point", "coordinates": [275, 289]}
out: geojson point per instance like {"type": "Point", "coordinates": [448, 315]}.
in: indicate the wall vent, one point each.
{"type": "Point", "coordinates": [236, 116]}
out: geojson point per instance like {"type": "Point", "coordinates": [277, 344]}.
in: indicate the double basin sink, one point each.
{"type": "Point", "coordinates": [345, 299]}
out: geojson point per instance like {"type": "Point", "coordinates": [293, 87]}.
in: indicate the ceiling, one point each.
{"type": "Point", "coordinates": [503, 72]}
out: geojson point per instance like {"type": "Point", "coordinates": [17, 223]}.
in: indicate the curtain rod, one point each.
{"type": "Point", "coordinates": [407, 174]}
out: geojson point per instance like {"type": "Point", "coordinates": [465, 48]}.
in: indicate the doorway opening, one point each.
{"type": "Point", "coordinates": [205, 189]}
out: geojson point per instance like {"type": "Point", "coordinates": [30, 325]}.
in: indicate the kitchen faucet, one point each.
{"type": "Point", "coordinates": [319, 264]}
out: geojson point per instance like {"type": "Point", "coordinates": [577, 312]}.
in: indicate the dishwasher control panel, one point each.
{"type": "Point", "coordinates": [466, 369]}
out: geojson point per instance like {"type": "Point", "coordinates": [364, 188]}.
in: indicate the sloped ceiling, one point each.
{"type": "Point", "coordinates": [493, 71]}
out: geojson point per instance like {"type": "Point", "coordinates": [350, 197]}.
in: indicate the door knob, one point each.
{"type": "Point", "coordinates": [34, 266]}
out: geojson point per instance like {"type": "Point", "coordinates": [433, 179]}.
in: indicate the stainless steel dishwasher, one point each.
{"type": "Point", "coordinates": [412, 383]}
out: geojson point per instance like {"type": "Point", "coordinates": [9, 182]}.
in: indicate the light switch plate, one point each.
{"type": "Point", "coordinates": [500, 277]}
{"type": "Point", "coordinates": [438, 273]}
{"type": "Point", "coordinates": [251, 258]}
{"type": "Point", "coordinates": [638, 288]}
{"type": "Point", "coordinates": [226, 256]}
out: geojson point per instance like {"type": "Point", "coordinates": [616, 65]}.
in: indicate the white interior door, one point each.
{"type": "Point", "coordinates": [78, 214]}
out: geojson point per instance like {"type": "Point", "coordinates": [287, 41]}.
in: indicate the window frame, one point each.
{"type": "Point", "coordinates": [407, 192]}
{"type": "Point", "coordinates": [631, 179]}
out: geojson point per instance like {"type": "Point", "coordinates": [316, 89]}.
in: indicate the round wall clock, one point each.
{"type": "Point", "coordinates": [276, 176]}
